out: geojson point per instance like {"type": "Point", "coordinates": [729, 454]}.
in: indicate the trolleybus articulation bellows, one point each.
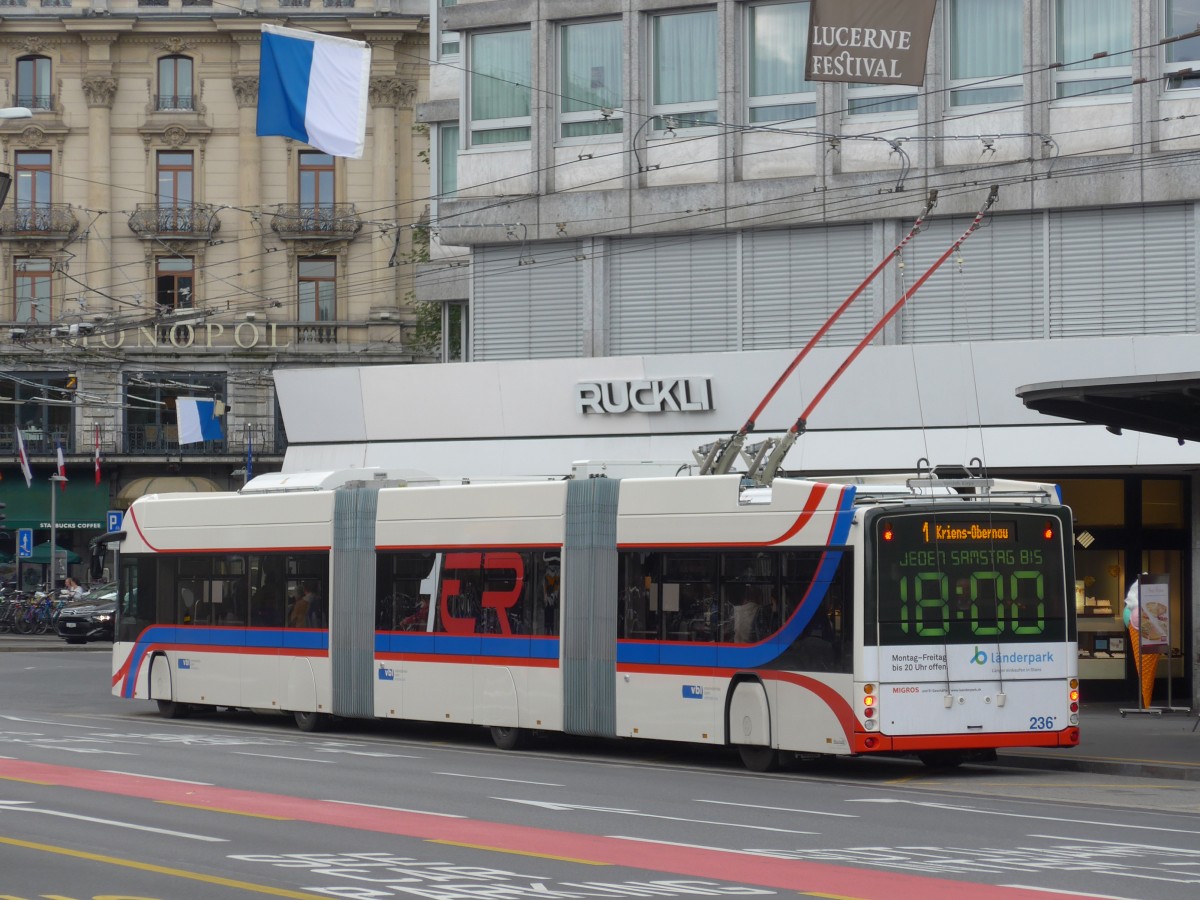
{"type": "Point", "coordinates": [873, 615]}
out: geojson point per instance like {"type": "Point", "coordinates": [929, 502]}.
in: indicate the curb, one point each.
{"type": "Point", "coordinates": [1123, 767]}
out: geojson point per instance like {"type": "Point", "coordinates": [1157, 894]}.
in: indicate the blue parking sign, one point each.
{"type": "Point", "coordinates": [24, 543]}
{"type": "Point", "coordinates": [114, 519]}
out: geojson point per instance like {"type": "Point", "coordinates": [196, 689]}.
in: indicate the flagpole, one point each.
{"type": "Point", "coordinates": [54, 530]}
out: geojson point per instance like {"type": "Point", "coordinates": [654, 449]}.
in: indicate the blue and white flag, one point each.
{"type": "Point", "coordinates": [198, 420]}
{"type": "Point", "coordinates": [313, 88]}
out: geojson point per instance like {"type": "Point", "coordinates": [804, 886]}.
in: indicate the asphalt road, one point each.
{"type": "Point", "coordinates": [100, 798]}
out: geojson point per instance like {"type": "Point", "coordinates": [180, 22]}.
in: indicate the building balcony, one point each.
{"type": "Point", "coordinates": [292, 221]}
{"type": "Point", "coordinates": [53, 221]}
{"type": "Point", "coordinates": [139, 440]}
{"type": "Point", "coordinates": [36, 102]}
{"type": "Point", "coordinates": [173, 103]}
{"type": "Point", "coordinates": [195, 221]}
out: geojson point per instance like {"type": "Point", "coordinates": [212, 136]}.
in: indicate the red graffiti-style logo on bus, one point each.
{"type": "Point", "coordinates": [468, 566]}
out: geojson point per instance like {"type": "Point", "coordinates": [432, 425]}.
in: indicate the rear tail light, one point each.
{"type": "Point", "coordinates": [868, 706]}
{"type": "Point", "coordinates": [1073, 699]}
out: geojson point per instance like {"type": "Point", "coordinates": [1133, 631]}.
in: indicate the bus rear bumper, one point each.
{"type": "Point", "coordinates": [865, 742]}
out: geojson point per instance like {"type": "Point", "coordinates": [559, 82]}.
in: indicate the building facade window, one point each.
{"type": "Point", "coordinates": [985, 51]}
{"type": "Point", "coordinates": [500, 68]}
{"type": "Point", "coordinates": [33, 287]}
{"type": "Point", "coordinates": [175, 83]}
{"type": "Point", "coordinates": [31, 174]}
{"type": "Point", "coordinates": [33, 83]}
{"type": "Point", "coordinates": [317, 289]}
{"type": "Point", "coordinates": [151, 417]}
{"type": "Point", "coordinates": [1084, 28]}
{"type": "Point", "coordinates": [590, 61]}
{"type": "Point", "coordinates": [454, 332]}
{"type": "Point", "coordinates": [43, 425]}
{"type": "Point", "coordinates": [684, 70]}
{"type": "Point", "coordinates": [777, 35]}
{"type": "Point", "coordinates": [317, 191]}
{"type": "Point", "coordinates": [176, 186]}
{"type": "Point", "coordinates": [1182, 17]}
{"type": "Point", "coordinates": [448, 41]}
{"type": "Point", "coordinates": [447, 160]}
{"type": "Point", "coordinates": [879, 99]}
{"type": "Point", "coordinates": [174, 282]}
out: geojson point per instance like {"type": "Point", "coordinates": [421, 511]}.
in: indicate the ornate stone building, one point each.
{"type": "Point", "coordinates": [153, 247]}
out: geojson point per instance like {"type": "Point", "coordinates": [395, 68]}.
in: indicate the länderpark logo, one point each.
{"type": "Point", "coordinates": [982, 658]}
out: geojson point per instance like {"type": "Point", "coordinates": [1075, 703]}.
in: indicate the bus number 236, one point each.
{"type": "Point", "coordinates": [1041, 723]}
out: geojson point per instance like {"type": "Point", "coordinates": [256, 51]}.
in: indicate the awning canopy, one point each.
{"type": "Point", "coordinates": [41, 554]}
{"type": "Point", "coordinates": [80, 507]}
{"type": "Point", "coordinates": [164, 484]}
{"type": "Point", "coordinates": [1156, 404]}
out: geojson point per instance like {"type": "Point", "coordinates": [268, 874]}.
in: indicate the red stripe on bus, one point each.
{"type": "Point", "coordinates": [811, 507]}
{"type": "Point", "coordinates": [146, 541]}
{"type": "Point", "coordinates": [836, 702]}
{"type": "Point", "coordinates": [913, 743]}
{"type": "Point", "coordinates": [473, 546]}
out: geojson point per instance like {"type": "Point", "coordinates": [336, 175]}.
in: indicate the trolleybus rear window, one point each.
{"type": "Point", "coordinates": [950, 578]}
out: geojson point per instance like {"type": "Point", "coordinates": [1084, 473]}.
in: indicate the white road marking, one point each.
{"type": "Point", "coordinates": [327, 762]}
{"type": "Point", "coordinates": [56, 724]}
{"type": "Point", "coordinates": [1045, 890]}
{"type": "Point", "coordinates": [807, 812]}
{"type": "Point", "coordinates": [419, 812]}
{"type": "Point", "coordinates": [562, 807]}
{"type": "Point", "coordinates": [368, 753]}
{"type": "Point", "coordinates": [11, 805]}
{"type": "Point", "coordinates": [642, 840]}
{"type": "Point", "coordinates": [156, 777]}
{"type": "Point", "coordinates": [1010, 815]}
{"type": "Point", "coordinates": [490, 778]}
{"type": "Point", "coordinates": [86, 750]}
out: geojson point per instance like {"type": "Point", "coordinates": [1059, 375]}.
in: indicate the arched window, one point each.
{"type": "Point", "coordinates": [175, 84]}
{"type": "Point", "coordinates": [33, 82]}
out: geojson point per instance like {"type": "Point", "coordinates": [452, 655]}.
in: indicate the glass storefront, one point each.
{"type": "Point", "coordinates": [1123, 527]}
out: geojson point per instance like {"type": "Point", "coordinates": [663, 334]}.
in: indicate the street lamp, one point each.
{"type": "Point", "coordinates": [10, 112]}
{"type": "Point", "coordinates": [55, 479]}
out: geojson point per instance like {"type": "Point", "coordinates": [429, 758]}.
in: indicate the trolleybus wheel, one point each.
{"type": "Point", "coordinates": [172, 709]}
{"type": "Point", "coordinates": [758, 758]}
{"type": "Point", "coordinates": [312, 721]}
{"type": "Point", "coordinates": [509, 738]}
{"type": "Point", "coordinates": [942, 759]}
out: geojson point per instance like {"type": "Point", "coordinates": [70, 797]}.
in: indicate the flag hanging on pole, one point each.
{"type": "Point", "coordinates": [198, 420]}
{"type": "Point", "coordinates": [23, 459]}
{"type": "Point", "coordinates": [62, 466]}
{"type": "Point", "coordinates": [313, 88]}
{"type": "Point", "coordinates": [97, 456]}
{"type": "Point", "coordinates": [249, 453]}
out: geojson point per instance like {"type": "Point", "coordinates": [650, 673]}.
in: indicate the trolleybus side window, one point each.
{"type": "Point", "coordinates": [473, 591]}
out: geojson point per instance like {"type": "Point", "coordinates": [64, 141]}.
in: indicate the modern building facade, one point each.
{"type": "Point", "coordinates": [653, 187]}
{"type": "Point", "coordinates": [152, 247]}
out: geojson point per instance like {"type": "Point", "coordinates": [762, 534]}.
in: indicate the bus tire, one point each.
{"type": "Point", "coordinates": [172, 709]}
{"type": "Point", "coordinates": [509, 738]}
{"type": "Point", "coordinates": [758, 758]}
{"type": "Point", "coordinates": [312, 721]}
{"type": "Point", "coordinates": [941, 759]}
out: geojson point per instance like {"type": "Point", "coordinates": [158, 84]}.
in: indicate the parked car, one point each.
{"type": "Point", "coordinates": [90, 619]}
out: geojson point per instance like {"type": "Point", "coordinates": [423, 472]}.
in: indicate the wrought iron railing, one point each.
{"type": "Point", "coordinates": [176, 102]}
{"type": "Point", "coordinates": [42, 221]}
{"type": "Point", "coordinates": [34, 101]}
{"type": "Point", "coordinates": [153, 220]}
{"type": "Point", "coordinates": [336, 220]}
{"type": "Point", "coordinates": [139, 440]}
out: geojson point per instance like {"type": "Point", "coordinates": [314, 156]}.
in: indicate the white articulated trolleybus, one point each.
{"type": "Point", "coordinates": [924, 616]}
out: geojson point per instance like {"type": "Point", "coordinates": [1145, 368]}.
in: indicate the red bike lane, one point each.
{"type": "Point", "coordinates": [821, 879]}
